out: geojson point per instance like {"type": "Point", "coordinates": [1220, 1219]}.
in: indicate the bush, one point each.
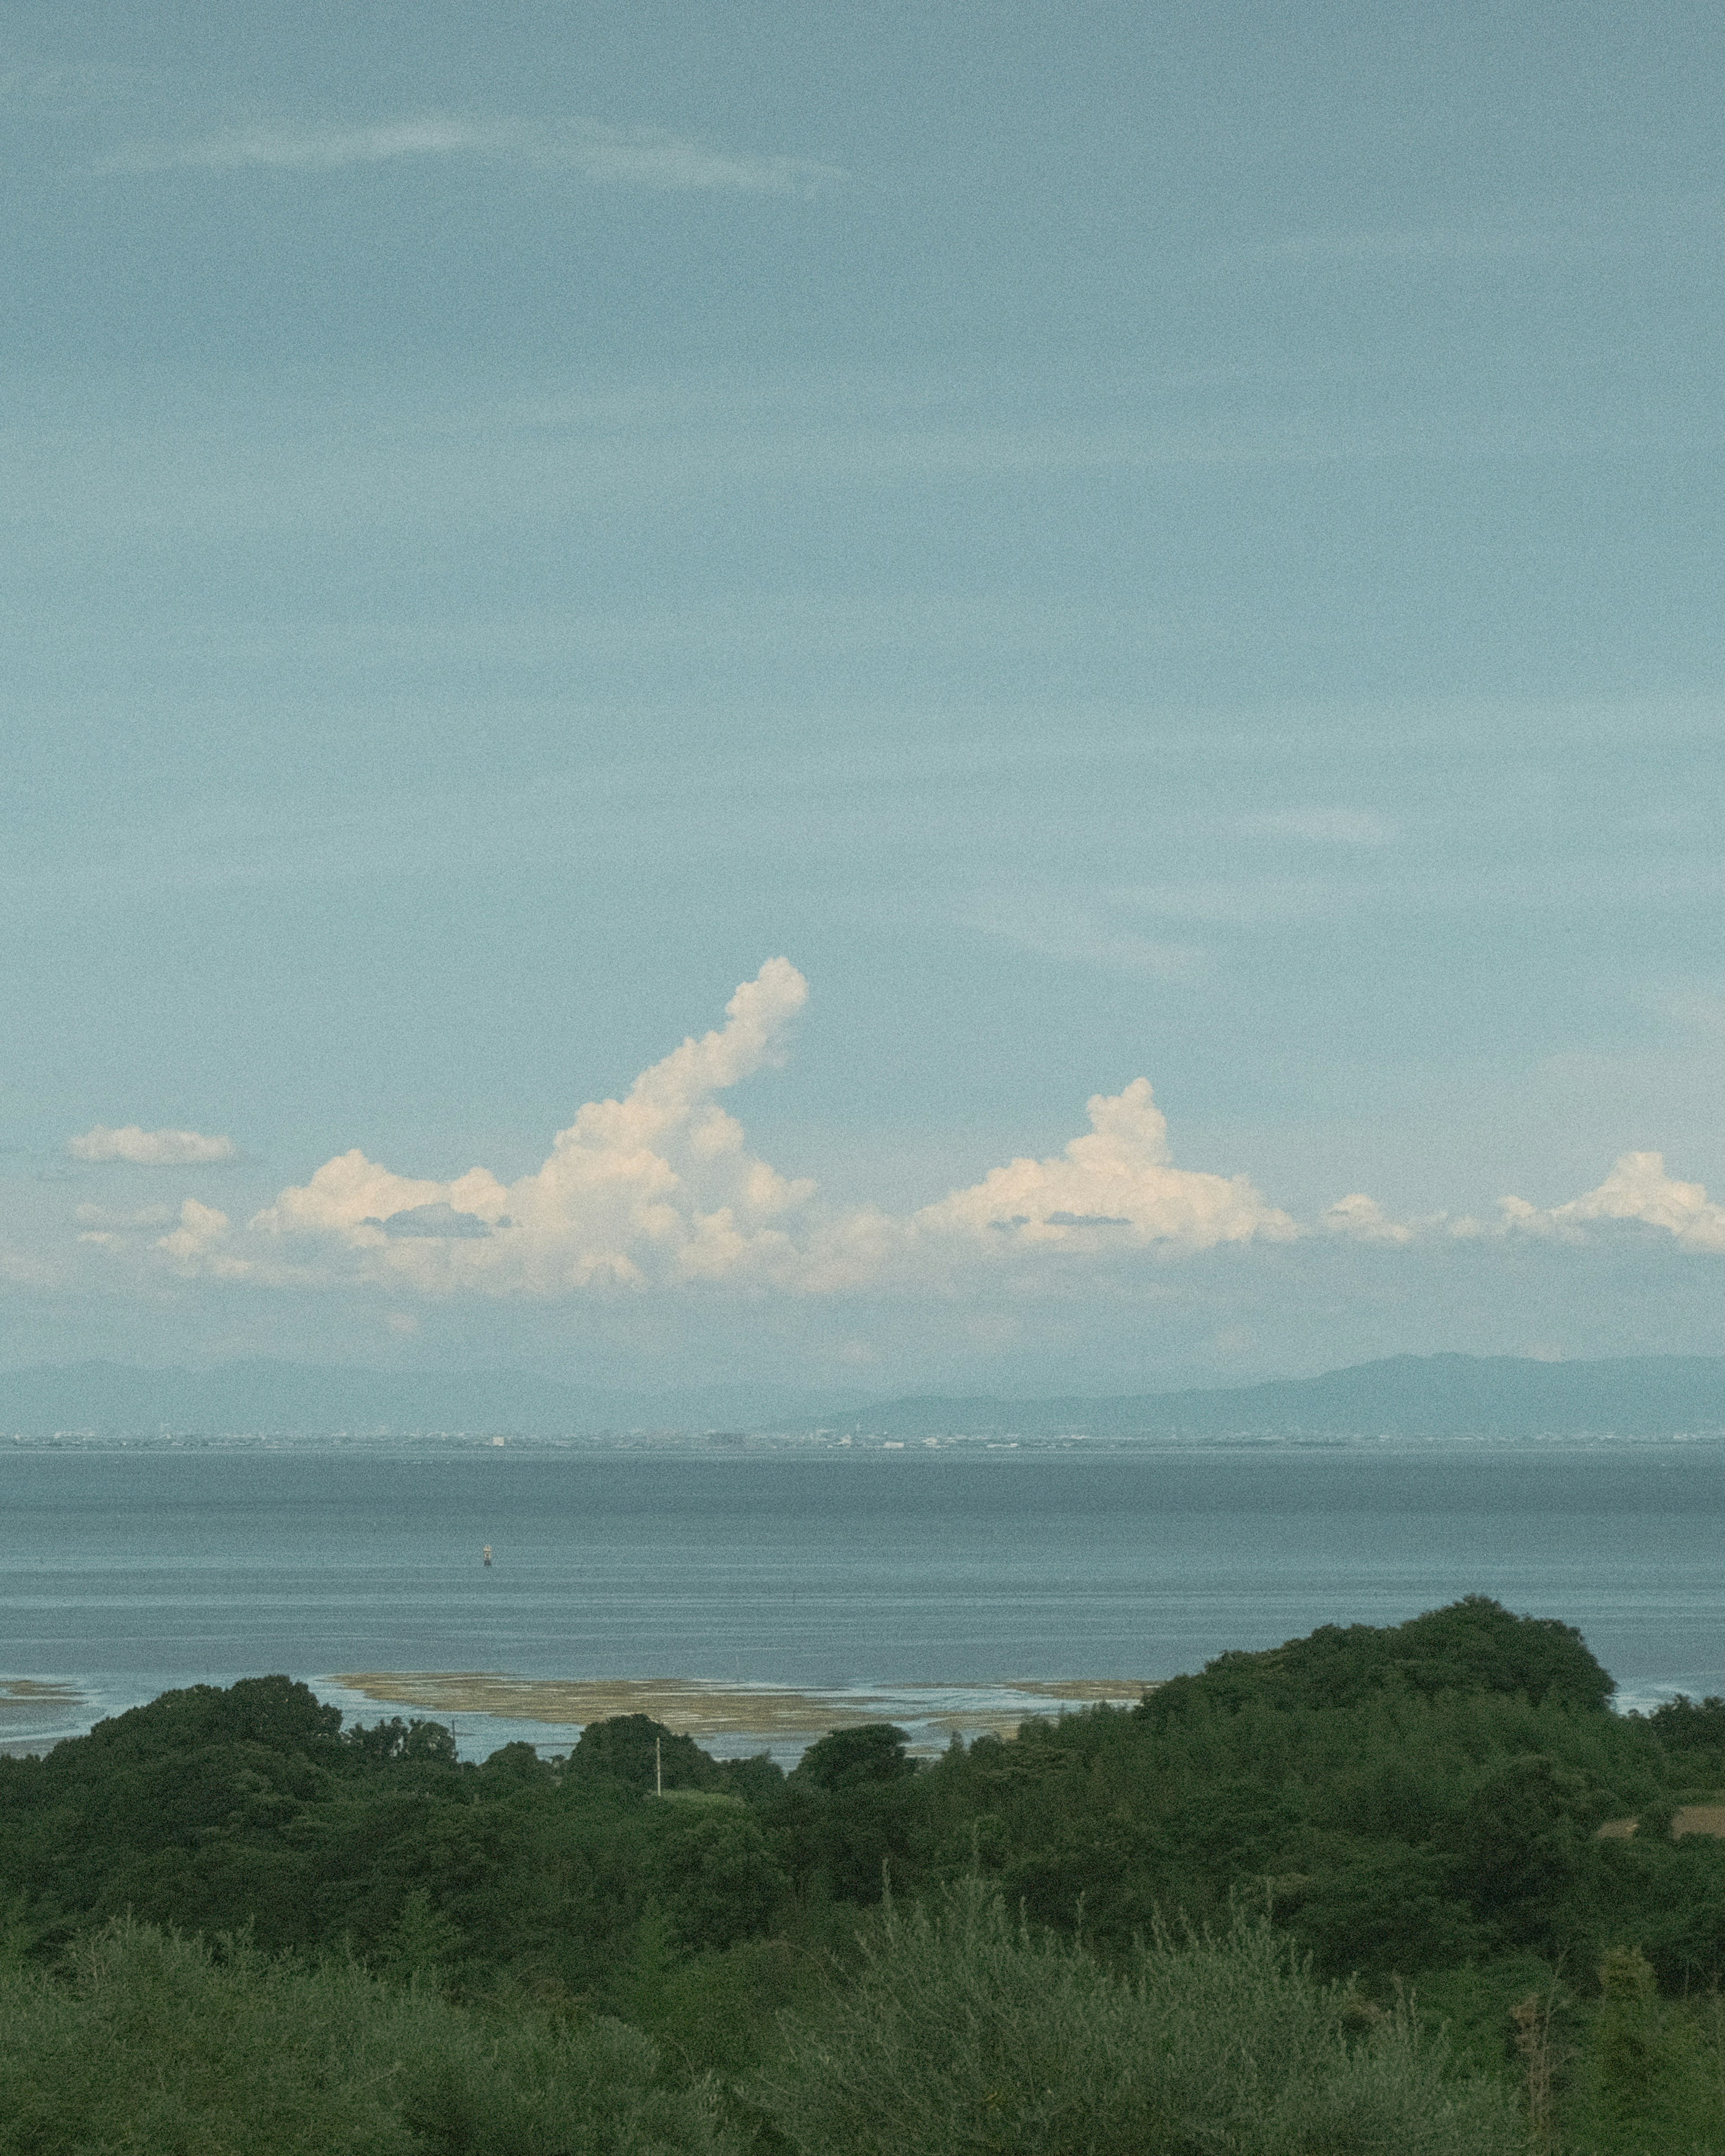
{"type": "Point", "coordinates": [1652, 2074]}
{"type": "Point", "coordinates": [162, 2045]}
{"type": "Point", "coordinates": [965, 2032]}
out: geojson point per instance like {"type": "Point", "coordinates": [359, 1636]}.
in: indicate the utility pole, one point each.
{"type": "Point", "coordinates": [658, 1768]}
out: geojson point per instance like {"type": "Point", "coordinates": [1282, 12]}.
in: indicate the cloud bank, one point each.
{"type": "Point", "coordinates": [145, 1148]}
{"type": "Point", "coordinates": [1638, 1194]}
{"type": "Point", "coordinates": [660, 1192]}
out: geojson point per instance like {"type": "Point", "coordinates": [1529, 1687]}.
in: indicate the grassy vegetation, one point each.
{"type": "Point", "coordinates": [1348, 1896]}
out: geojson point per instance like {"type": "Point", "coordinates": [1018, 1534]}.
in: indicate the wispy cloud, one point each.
{"type": "Point", "coordinates": [144, 1148]}
{"type": "Point", "coordinates": [1147, 930]}
{"type": "Point", "coordinates": [651, 158]}
{"type": "Point", "coordinates": [1085, 929]}
{"type": "Point", "coordinates": [1078, 937]}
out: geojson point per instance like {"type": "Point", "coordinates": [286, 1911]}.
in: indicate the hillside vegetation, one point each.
{"type": "Point", "coordinates": [1350, 1895]}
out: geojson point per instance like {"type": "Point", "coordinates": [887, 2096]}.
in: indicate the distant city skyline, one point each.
{"type": "Point", "coordinates": [1110, 616]}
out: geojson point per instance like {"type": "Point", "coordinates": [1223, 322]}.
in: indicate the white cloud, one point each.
{"type": "Point", "coordinates": [26, 1268]}
{"type": "Point", "coordinates": [1638, 1189]}
{"type": "Point", "coordinates": [325, 149]}
{"type": "Point", "coordinates": [145, 1148]}
{"type": "Point", "coordinates": [1364, 1220]}
{"type": "Point", "coordinates": [657, 1188]}
{"type": "Point", "coordinates": [196, 1244]}
{"type": "Point", "coordinates": [649, 158]}
{"type": "Point", "coordinates": [660, 1190]}
{"type": "Point", "coordinates": [1637, 1192]}
{"type": "Point", "coordinates": [1116, 1184]}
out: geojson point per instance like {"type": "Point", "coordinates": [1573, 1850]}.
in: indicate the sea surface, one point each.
{"type": "Point", "coordinates": [125, 1571]}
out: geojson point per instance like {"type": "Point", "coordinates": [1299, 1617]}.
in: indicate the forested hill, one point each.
{"type": "Point", "coordinates": [1504, 1396]}
{"type": "Point", "coordinates": [1410, 1887]}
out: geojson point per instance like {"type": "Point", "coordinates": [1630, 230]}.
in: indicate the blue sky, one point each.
{"type": "Point", "coordinates": [1118, 543]}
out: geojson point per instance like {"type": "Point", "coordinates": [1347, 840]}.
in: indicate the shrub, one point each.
{"type": "Point", "coordinates": [161, 2045]}
{"type": "Point", "coordinates": [967, 2033]}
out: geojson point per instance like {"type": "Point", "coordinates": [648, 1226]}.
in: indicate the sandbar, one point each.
{"type": "Point", "coordinates": [30, 1700]}
{"type": "Point", "coordinates": [702, 1707]}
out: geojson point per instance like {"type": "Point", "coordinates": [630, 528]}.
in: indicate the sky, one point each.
{"type": "Point", "coordinates": [905, 697]}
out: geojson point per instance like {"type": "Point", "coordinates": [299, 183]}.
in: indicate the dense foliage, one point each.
{"type": "Point", "coordinates": [965, 2030]}
{"type": "Point", "coordinates": [1305, 1860]}
{"type": "Point", "coordinates": [157, 2044]}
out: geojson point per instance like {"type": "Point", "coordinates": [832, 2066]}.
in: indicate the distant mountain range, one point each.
{"type": "Point", "coordinates": [1499, 1396]}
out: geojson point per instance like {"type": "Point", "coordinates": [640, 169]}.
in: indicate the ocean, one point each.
{"type": "Point", "coordinates": [127, 1571]}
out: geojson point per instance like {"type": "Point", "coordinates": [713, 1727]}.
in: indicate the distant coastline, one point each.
{"type": "Point", "coordinates": [1404, 1398]}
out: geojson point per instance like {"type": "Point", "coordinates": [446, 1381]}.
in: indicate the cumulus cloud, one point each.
{"type": "Point", "coordinates": [651, 158]}
{"type": "Point", "coordinates": [1638, 1194]}
{"type": "Point", "coordinates": [196, 1245]}
{"type": "Point", "coordinates": [660, 1189]}
{"type": "Point", "coordinates": [1638, 1190]}
{"type": "Point", "coordinates": [1364, 1220]}
{"type": "Point", "coordinates": [145, 1148]}
{"type": "Point", "coordinates": [657, 1188]}
{"type": "Point", "coordinates": [1118, 1176]}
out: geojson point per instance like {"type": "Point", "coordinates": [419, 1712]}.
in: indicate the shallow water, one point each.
{"type": "Point", "coordinates": [125, 1572]}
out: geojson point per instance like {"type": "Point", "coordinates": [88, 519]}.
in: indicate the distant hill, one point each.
{"type": "Point", "coordinates": [1406, 1396]}
{"type": "Point", "coordinates": [114, 1400]}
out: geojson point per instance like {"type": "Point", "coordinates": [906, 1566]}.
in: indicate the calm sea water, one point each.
{"type": "Point", "coordinates": [127, 1572]}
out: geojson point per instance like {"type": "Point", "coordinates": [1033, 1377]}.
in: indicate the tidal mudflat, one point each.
{"type": "Point", "coordinates": [707, 1708]}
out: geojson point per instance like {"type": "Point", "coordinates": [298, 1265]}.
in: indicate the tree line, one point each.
{"type": "Point", "coordinates": [1351, 1894]}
